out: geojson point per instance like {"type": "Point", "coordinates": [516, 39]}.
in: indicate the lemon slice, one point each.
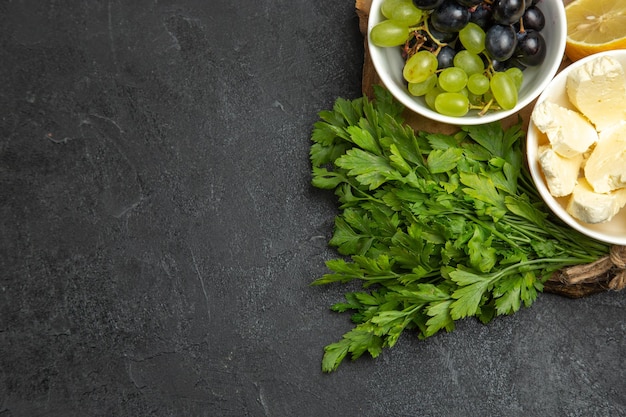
{"type": "Point", "coordinates": [595, 26]}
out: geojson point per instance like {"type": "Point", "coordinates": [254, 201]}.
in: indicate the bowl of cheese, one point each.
{"type": "Point", "coordinates": [576, 146]}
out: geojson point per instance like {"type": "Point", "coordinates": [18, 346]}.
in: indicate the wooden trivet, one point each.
{"type": "Point", "coordinates": [608, 273]}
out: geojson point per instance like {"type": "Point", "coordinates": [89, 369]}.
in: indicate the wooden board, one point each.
{"type": "Point", "coordinates": [571, 282]}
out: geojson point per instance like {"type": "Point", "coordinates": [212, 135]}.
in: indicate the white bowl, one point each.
{"type": "Point", "coordinates": [614, 231]}
{"type": "Point", "coordinates": [388, 63]}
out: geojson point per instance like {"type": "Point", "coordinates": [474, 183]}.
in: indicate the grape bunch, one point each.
{"type": "Point", "coordinates": [464, 54]}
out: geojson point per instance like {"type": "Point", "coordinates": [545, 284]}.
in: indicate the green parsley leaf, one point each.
{"type": "Point", "coordinates": [443, 160]}
{"type": "Point", "coordinates": [369, 169]}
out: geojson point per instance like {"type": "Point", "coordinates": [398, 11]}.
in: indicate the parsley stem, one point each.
{"type": "Point", "coordinates": [366, 196]}
{"type": "Point", "coordinates": [493, 230]}
{"type": "Point", "coordinates": [537, 234]}
{"type": "Point", "coordinates": [534, 265]}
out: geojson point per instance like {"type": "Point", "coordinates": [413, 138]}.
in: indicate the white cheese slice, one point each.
{"type": "Point", "coordinates": [560, 173]}
{"type": "Point", "coordinates": [605, 168]}
{"type": "Point", "coordinates": [598, 90]}
{"type": "Point", "coordinates": [591, 207]}
{"type": "Point", "coordinates": [569, 133]}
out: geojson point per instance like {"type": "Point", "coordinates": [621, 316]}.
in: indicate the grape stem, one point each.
{"type": "Point", "coordinates": [486, 108]}
{"type": "Point", "coordinates": [521, 26]}
{"type": "Point", "coordinates": [439, 44]}
{"type": "Point", "coordinates": [410, 50]}
{"type": "Point", "coordinates": [490, 70]}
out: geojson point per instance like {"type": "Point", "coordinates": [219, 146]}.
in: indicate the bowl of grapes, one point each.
{"type": "Point", "coordinates": [466, 62]}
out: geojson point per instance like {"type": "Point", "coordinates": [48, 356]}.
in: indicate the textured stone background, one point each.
{"type": "Point", "coordinates": [159, 233]}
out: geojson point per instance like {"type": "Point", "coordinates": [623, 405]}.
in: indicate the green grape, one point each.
{"type": "Point", "coordinates": [420, 66]}
{"type": "Point", "coordinates": [469, 62]}
{"type": "Point", "coordinates": [478, 84]}
{"type": "Point", "coordinates": [387, 7]}
{"type": "Point", "coordinates": [472, 37]}
{"type": "Point", "coordinates": [504, 90]}
{"type": "Point", "coordinates": [475, 99]}
{"type": "Point", "coordinates": [406, 13]}
{"type": "Point", "coordinates": [420, 89]}
{"type": "Point", "coordinates": [452, 79]}
{"type": "Point", "coordinates": [389, 33]}
{"type": "Point", "coordinates": [431, 96]}
{"type": "Point", "coordinates": [517, 75]}
{"type": "Point", "coordinates": [452, 104]}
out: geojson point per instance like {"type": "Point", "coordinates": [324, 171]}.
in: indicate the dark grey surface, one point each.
{"type": "Point", "coordinates": [159, 233]}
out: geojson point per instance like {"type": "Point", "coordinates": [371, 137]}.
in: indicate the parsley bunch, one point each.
{"type": "Point", "coordinates": [436, 227]}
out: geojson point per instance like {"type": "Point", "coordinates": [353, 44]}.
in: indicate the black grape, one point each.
{"type": "Point", "coordinates": [482, 16]}
{"type": "Point", "coordinates": [531, 48]}
{"type": "Point", "coordinates": [506, 12]}
{"type": "Point", "coordinates": [427, 4]}
{"type": "Point", "coordinates": [443, 37]}
{"type": "Point", "coordinates": [445, 57]}
{"type": "Point", "coordinates": [501, 66]}
{"type": "Point", "coordinates": [450, 16]}
{"type": "Point", "coordinates": [533, 19]}
{"type": "Point", "coordinates": [469, 3]}
{"type": "Point", "coordinates": [500, 42]}
{"type": "Point", "coordinates": [531, 3]}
